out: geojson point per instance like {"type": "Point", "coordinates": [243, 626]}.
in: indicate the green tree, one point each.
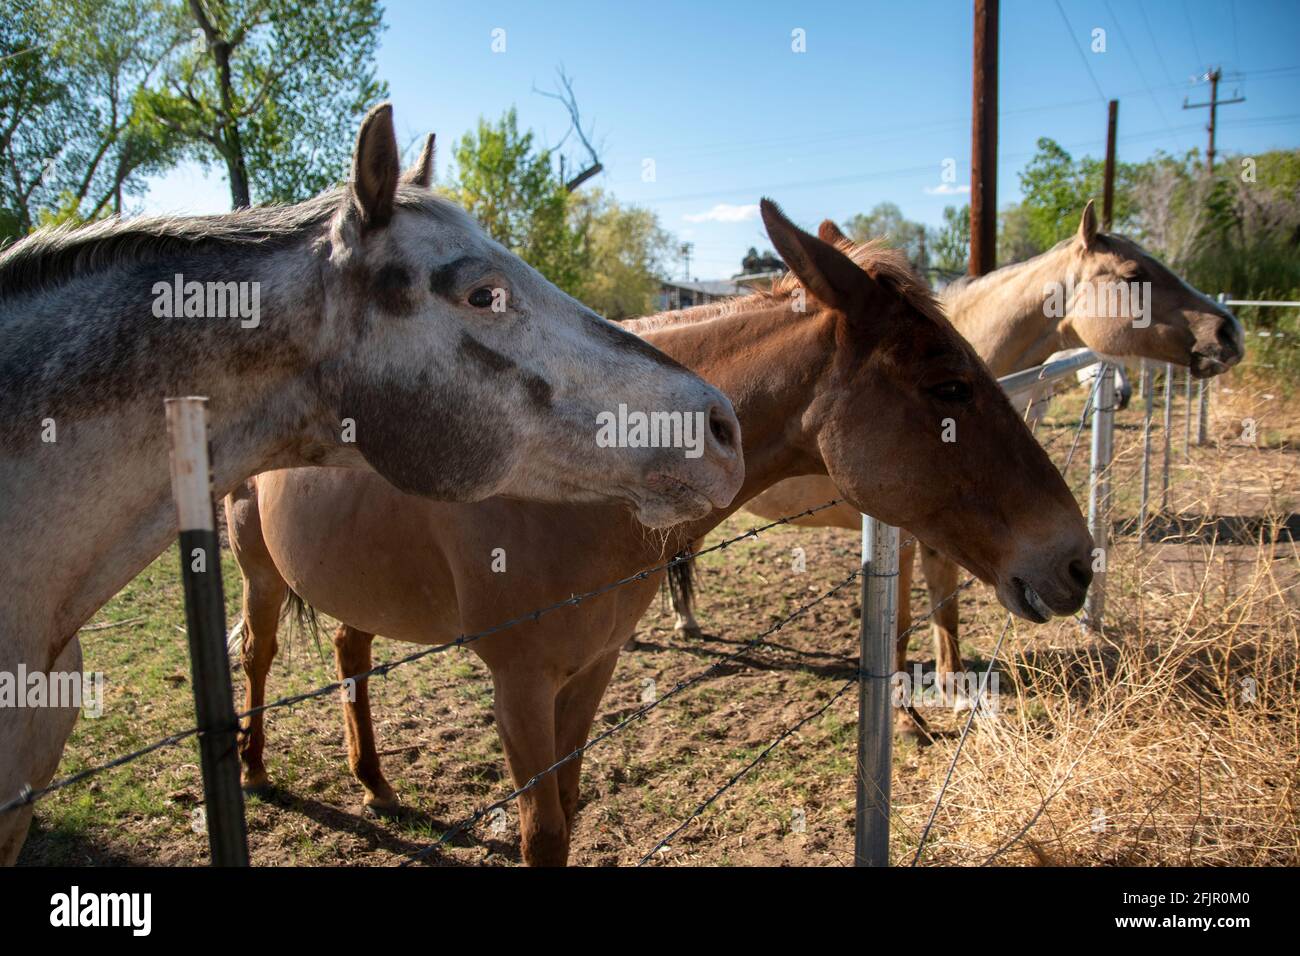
{"type": "Point", "coordinates": [626, 252]}
{"type": "Point", "coordinates": [75, 140]}
{"type": "Point", "coordinates": [1056, 187]}
{"type": "Point", "coordinates": [513, 189]}
{"type": "Point", "coordinates": [272, 90]}
{"type": "Point", "coordinates": [952, 240]}
{"type": "Point", "coordinates": [1015, 242]}
{"type": "Point", "coordinates": [886, 221]}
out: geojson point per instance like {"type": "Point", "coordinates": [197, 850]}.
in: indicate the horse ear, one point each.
{"type": "Point", "coordinates": [1088, 227]}
{"type": "Point", "coordinates": [827, 273]}
{"type": "Point", "coordinates": [421, 174]}
{"type": "Point", "coordinates": [375, 168]}
{"type": "Point", "coordinates": [829, 232]}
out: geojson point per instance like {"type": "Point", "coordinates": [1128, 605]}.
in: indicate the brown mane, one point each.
{"type": "Point", "coordinates": [879, 260]}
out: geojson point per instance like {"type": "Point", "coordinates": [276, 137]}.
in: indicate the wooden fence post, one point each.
{"type": "Point", "coordinates": [205, 618]}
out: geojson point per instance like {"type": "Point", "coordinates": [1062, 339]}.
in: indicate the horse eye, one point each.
{"type": "Point", "coordinates": [952, 391]}
{"type": "Point", "coordinates": [481, 298]}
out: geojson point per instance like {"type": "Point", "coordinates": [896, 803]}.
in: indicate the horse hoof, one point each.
{"type": "Point", "coordinates": [690, 631]}
{"type": "Point", "coordinates": [384, 809]}
{"type": "Point", "coordinates": [257, 786]}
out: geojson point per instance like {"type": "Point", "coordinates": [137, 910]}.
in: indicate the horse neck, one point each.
{"type": "Point", "coordinates": [771, 362]}
{"type": "Point", "coordinates": [1002, 314]}
{"type": "Point", "coordinates": [83, 514]}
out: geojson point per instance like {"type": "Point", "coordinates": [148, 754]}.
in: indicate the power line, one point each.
{"type": "Point", "coordinates": [1192, 31]}
{"type": "Point", "coordinates": [1143, 77]}
{"type": "Point", "coordinates": [1074, 42]}
{"type": "Point", "coordinates": [1160, 57]}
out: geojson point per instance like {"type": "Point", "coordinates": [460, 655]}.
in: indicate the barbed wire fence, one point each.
{"type": "Point", "coordinates": [28, 795]}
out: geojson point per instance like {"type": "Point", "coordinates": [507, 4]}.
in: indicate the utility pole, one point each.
{"type": "Point", "coordinates": [1108, 189]}
{"type": "Point", "coordinates": [1214, 103]}
{"type": "Point", "coordinates": [685, 252]}
{"type": "Point", "coordinates": [984, 141]}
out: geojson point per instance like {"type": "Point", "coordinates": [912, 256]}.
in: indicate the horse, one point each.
{"type": "Point", "coordinates": [376, 325]}
{"type": "Point", "coordinates": [847, 368]}
{"type": "Point", "coordinates": [1014, 317]}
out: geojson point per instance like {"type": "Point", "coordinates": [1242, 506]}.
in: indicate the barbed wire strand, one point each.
{"type": "Point", "coordinates": [736, 778]}
{"type": "Point", "coordinates": [27, 795]}
{"type": "Point", "coordinates": [678, 688]}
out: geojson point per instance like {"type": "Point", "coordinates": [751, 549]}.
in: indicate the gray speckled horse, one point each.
{"type": "Point", "coordinates": [390, 332]}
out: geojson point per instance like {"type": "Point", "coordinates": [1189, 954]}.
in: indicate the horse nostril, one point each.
{"type": "Point", "coordinates": [1227, 338]}
{"type": "Point", "coordinates": [1081, 573]}
{"type": "Point", "coordinates": [720, 428]}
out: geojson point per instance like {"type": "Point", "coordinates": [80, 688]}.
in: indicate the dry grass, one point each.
{"type": "Point", "coordinates": [1175, 737]}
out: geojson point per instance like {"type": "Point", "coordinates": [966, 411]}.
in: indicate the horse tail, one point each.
{"type": "Point", "coordinates": [681, 584]}
{"type": "Point", "coordinates": [302, 617]}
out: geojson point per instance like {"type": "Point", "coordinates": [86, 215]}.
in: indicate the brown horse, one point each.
{"type": "Point", "coordinates": [1008, 316]}
{"type": "Point", "coordinates": [374, 326]}
{"type": "Point", "coordinates": [842, 370]}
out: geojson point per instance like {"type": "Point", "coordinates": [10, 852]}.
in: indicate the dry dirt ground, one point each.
{"type": "Point", "coordinates": [1102, 751]}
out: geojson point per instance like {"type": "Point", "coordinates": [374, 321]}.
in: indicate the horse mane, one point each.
{"type": "Point", "coordinates": [961, 283]}
{"type": "Point", "coordinates": [875, 257]}
{"type": "Point", "coordinates": [59, 254]}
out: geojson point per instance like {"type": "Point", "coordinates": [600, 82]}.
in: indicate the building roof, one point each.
{"type": "Point", "coordinates": [713, 287]}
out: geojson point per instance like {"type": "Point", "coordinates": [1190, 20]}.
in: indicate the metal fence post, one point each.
{"type": "Point", "coordinates": [1187, 424]}
{"type": "Point", "coordinates": [1103, 442]}
{"type": "Point", "coordinates": [1169, 419]}
{"type": "Point", "coordinates": [1202, 409]}
{"type": "Point", "coordinates": [1203, 396]}
{"type": "Point", "coordinates": [1148, 389]}
{"type": "Point", "coordinates": [205, 618]}
{"type": "Point", "coordinates": [875, 687]}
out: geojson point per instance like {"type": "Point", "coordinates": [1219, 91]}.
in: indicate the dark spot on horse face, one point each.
{"type": "Point", "coordinates": [539, 390]}
{"type": "Point", "coordinates": [489, 359]}
{"type": "Point", "coordinates": [416, 433]}
{"type": "Point", "coordinates": [391, 289]}
{"type": "Point", "coordinates": [447, 279]}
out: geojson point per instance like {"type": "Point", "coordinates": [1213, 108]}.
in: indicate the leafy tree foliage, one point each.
{"type": "Point", "coordinates": [272, 90]}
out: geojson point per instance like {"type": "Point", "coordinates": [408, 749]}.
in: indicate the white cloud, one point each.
{"type": "Point", "coordinates": [947, 189]}
{"type": "Point", "coordinates": [724, 212]}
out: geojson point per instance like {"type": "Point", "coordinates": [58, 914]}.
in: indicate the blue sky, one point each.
{"type": "Point", "coordinates": [715, 97]}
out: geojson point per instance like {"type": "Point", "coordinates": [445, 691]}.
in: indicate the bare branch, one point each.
{"type": "Point", "coordinates": [565, 95]}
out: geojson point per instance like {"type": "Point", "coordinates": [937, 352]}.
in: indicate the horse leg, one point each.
{"type": "Point", "coordinates": [941, 579]}
{"type": "Point", "coordinates": [907, 721]}
{"type": "Point", "coordinates": [681, 591]}
{"type": "Point", "coordinates": [525, 712]}
{"type": "Point", "coordinates": [575, 708]}
{"type": "Point", "coordinates": [352, 656]}
{"type": "Point", "coordinates": [32, 742]}
{"type": "Point", "coordinates": [264, 594]}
